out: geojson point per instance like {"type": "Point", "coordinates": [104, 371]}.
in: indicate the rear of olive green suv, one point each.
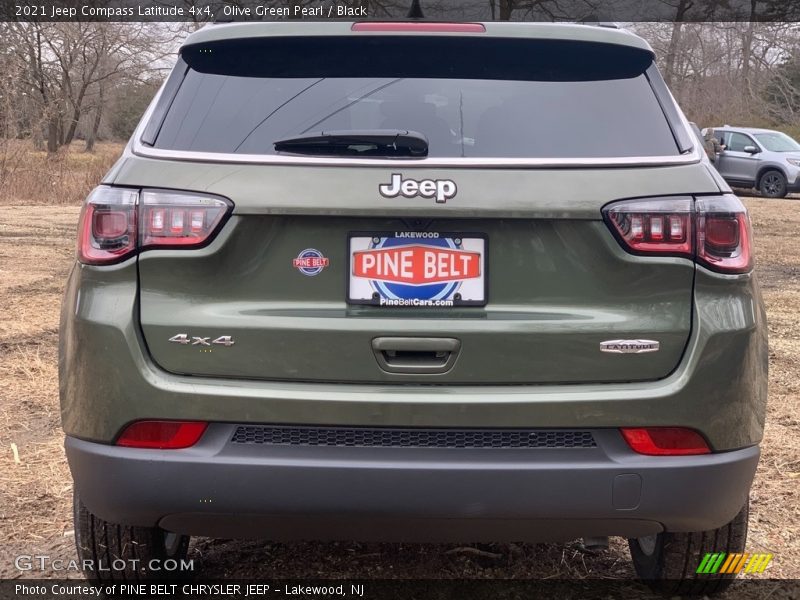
{"type": "Point", "coordinates": [419, 281]}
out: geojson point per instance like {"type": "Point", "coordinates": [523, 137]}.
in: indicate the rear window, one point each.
{"type": "Point", "coordinates": [471, 97]}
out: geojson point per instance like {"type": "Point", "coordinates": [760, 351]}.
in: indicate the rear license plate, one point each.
{"type": "Point", "coordinates": [417, 268]}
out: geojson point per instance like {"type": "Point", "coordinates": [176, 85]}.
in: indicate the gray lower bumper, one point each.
{"type": "Point", "coordinates": [221, 489]}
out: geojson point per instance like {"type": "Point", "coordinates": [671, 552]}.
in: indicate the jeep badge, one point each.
{"type": "Point", "coordinates": [441, 189]}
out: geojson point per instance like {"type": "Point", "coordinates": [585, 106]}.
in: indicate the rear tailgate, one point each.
{"type": "Point", "coordinates": [558, 283]}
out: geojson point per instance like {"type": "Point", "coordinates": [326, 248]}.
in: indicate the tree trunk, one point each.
{"type": "Point", "coordinates": [675, 41]}
{"type": "Point", "coordinates": [61, 130]}
{"type": "Point", "coordinates": [98, 115]}
{"type": "Point", "coordinates": [90, 139]}
{"type": "Point", "coordinates": [672, 53]}
{"type": "Point", "coordinates": [38, 137]}
{"type": "Point", "coordinates": [73, 124]}
{"type": "Point", "coordinates": [36, 62]}
{"type": "Point", "coordinates": [747, 48]}
{"type": "Point", "coordinates": [506, 6]}
{"type": "Point", "coordinates": [76, 114]}
{"type": "Point", "coordinates": [52, 135]}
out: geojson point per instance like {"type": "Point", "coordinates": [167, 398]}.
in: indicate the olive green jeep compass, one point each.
{"type": "Point", "coordinates": [414, 281]}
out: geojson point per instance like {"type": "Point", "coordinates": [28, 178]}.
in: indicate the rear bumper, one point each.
{"type": "Point", "coordinates": [222, 489]}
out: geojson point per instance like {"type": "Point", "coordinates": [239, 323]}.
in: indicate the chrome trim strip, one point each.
{"type": "Point", "coordinates": [140, 149]}
{"type": "Point", "coordinates": [454, 162]}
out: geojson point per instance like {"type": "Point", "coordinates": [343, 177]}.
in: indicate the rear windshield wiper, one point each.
{"type": "Point", "coordinates": [378, 143]}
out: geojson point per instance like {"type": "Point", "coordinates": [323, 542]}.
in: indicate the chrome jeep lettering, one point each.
{"type": "Point", "coordinates": [440, 189]}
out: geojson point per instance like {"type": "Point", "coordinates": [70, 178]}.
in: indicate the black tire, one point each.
{"type": "Point", "coordinates": [772, 184]}
{"type": "Point", "coordinates": [667, 562]}
{"type": "Point", "coordinates": [107, 546]}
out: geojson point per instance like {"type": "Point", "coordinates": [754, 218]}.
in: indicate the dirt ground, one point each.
{"type": "Point", "coordinates": [36, 251]}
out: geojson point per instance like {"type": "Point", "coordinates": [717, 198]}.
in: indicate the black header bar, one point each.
{"type": "Point", "coordinates": [604, 12]}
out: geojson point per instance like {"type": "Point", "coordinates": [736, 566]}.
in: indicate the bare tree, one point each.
{"type": "Point", "coordinates": [719, 71]}
{"type": "Point", "coordinates": [63, 65]}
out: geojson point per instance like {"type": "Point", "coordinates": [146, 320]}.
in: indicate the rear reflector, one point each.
{"type": "Point", "coordinates": [713, 230]}
{"type": "Point", "coordinates": [665, 441]}
{"type": "Point", "coordinates": [162, 435]}
{"type": "Point", "coordinates": [420, 27]}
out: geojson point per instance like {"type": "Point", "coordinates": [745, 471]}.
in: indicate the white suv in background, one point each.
{"type": "Point", "coordinates": [764, 159]}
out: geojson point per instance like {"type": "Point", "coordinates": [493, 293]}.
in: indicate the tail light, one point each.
{"type": "Point", "coordinates": [174, 219]}
{"type": "Point", "coordinates": [662, 226]}
{"type": "Point", "coordinates": [118, 222]}
{"type": "Point", "coordinates": [714, 231]}
{"type": "Point", "coordinates": [107, 228]}
{"type": "Point", "coordinates": [665, 441]}
{"type": "Point", "coordinates": [724, 236]}
{"type": "Point", "coordinates": [162, 435]}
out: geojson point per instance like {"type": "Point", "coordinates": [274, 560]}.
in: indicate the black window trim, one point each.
{"type": "Point", "coordinates": [163, 103]}
{"type": "Point", "coordinates": [682, 137]}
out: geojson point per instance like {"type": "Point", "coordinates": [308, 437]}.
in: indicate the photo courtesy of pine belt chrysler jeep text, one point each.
{"type": "Point", "coordinates": [377, 279]}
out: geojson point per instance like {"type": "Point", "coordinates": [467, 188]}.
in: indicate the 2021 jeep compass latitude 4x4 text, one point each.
{"type": "Point", "coordinates": [378, 278]}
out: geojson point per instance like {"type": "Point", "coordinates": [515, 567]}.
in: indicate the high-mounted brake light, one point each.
{"type": "Point", "coordinates": [162, 435]}
{"type": "Point", "coordinates": [419, 27]}
{"type": "Point", "coordinates": [117, 222]}
{"type": "Point", "coordinates": [665, 441]}
{"type": "Point", "coordinates": [713, 230]}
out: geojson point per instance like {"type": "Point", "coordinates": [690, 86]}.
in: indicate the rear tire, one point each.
{"type": "Point", "coordinates": [108, 545]}
{"type": "Point", "coordinates": [772, 184]}
{"type": "Point", "coordinates": [667, 562]}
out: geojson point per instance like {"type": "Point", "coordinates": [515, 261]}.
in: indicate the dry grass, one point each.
{"type": "Point", "coordinates": [31, 177]}
{"type": "Point", "coordinates": [35, 255]}
{"type": "Point", "coordinates": [775, 498]}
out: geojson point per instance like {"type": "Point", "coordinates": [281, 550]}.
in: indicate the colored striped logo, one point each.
{"type": "Point", "coordinates": [721, 562]}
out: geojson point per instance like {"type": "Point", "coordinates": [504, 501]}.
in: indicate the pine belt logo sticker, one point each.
{"type": "Point", "coordinates": [733, 563]}
{"type": "Point", "coordinates": [310, 262]}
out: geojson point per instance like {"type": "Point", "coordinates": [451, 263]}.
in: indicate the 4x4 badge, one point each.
{"type": "Point", "coordinates": [441, 189]}
{"type": "Point", "coordinates": [183, 338]}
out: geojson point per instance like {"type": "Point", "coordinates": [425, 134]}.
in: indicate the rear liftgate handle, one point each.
{"type": "Point", "coordinates": [416, 355]}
